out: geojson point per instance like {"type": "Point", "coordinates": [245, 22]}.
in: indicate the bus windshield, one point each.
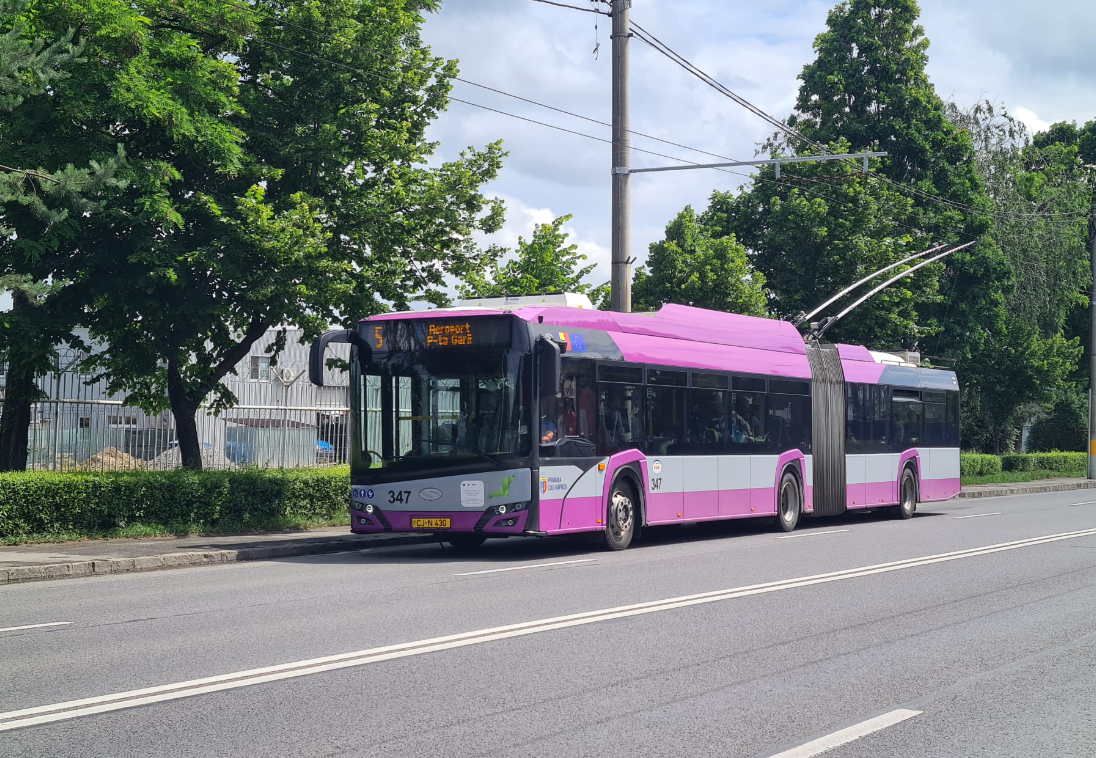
{"type": "Point", "coordinates": [432, 409]}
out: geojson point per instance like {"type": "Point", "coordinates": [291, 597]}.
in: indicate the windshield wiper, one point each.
{"type": "Point", "coordinates": [467, 446]}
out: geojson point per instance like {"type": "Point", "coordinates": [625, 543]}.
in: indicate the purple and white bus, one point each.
{"type": "Point", "coordinates": [515, 418]}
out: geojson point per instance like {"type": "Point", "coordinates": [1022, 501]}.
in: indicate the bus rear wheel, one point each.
{"type": "Point", "coordinates": [789, 502]}
{"type": "Point", "coordinates": [620, 516]}
{"type": "Point", "coordinates": [907, 495]}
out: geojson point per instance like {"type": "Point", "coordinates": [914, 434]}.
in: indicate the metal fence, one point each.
{"type": "Point", "coordinates": [280, 421]}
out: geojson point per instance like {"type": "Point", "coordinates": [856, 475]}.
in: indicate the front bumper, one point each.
{"type": "Point", "coordinates": [488, 521]}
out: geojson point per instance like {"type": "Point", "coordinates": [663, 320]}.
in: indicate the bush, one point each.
{"type": "Point", "coordinates": [977, 464]}
{"type": "Point", "coordinates": [1064, 428]}
{"type": "Point", "coordinates": [1066, 463]}
{"type": "Point", "coordinates": [36, 504]}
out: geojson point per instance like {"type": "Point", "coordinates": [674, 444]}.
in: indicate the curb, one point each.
{"type": "Point", "coordinates": [1033, 490]}
{"type": "Point", "coordinates": [76, 569]}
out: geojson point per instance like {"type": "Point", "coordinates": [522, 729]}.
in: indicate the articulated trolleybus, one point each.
{"type": "Point", "coordinates": [541, 416]}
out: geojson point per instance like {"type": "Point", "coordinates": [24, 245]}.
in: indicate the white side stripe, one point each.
{"type": "Point", "coordinates": [811, 534]}
{"type": "Point", "coordinates": [35, 626]}
{"type": "Point", "coordinates": [522, 568]}
{"type": "Point", "coordinates": [845, 736]}
{"type": "Point", "coordinates": [87, 706]}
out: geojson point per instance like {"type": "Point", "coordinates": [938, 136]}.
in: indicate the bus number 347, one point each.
{"type": "Point", "coordinates": [656, 484]}
{"type": "Point", "coordinates": [399, 496]}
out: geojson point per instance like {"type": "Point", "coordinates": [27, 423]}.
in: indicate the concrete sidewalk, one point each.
{"type": "Point", "coordinates": [28, 563]}
{"type": "Point", "coordinates": [1026, 488]}
{"type": "Point", "coordinates": [62, 560]}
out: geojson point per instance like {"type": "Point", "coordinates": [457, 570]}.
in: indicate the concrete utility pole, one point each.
{"type": "Point", "coordinates": [621, 294]}
{"type": "Point", "coordinates": [1092, 344]}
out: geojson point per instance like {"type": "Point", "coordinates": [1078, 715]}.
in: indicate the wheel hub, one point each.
{"type": "Point", "coordinates": [620, 515]}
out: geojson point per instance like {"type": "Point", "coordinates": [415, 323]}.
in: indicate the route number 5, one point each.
{"type": "Point", "coordinates": [379, 336]}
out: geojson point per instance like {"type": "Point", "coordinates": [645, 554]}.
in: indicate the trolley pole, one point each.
{"type": "Point", "coordinates": [1092, 345]}
{"type": "Point", "coordinates": [621, 283]}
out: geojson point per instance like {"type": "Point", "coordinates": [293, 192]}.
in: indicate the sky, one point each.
{"type": "Point", "coordinates": [1034, 58]}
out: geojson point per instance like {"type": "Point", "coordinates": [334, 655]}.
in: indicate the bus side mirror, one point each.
{"type": "Point", "coordinates": [319, 348]}
{"type": "Point", "coordinates": [548, 367]}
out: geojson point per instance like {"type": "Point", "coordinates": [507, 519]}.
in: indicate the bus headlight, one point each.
{"type": "Point", "coordinates": [369, 508]}
{"type": "Point", "coordinates": [502, 509]}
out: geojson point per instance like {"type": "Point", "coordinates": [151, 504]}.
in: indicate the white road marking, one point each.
{"type": "Point", "coordinates": [70, 709]}
{"type": "Point", "coordinates": [811, 534]}
{"type": "Point", "coordinates": [979, 515]}
{"type": "Point", "coordinates": [35, 626]}
{"type": "Point", "coordinates": [522, 568]}
{"type": "Point", "coordinates": [845, 736]}
{"type": "Point", "coordinates": [1087, 502]}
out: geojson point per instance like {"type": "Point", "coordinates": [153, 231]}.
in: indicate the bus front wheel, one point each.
{"type": "Point", "coordinates": [789, 502]}
{"type": "Point", "coordinates": [620, 516]}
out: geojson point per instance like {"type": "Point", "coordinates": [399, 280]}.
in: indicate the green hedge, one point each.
{"type": "Point", "coordinates": [977, 464]}
{"type": "Point", "coordinates": [34, 504]}
{"type": "Point", "coordinates": [1060, 462]}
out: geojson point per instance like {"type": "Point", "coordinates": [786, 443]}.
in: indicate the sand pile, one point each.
{"type": "Point", "coordinates": [172, 458]}
{"type": "Point", "coordinates": [111, 459]}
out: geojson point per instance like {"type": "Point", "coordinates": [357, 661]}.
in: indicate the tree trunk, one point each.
{"type": "Point", "coordinates": [19, 394]}
{"type": "Point", "coordinates": [15, 417]}
{"type": "Point", "coordinates": [184, 409]}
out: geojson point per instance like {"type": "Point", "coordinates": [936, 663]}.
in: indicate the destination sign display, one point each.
{"type": "Point", "coordinates": [435, 334]}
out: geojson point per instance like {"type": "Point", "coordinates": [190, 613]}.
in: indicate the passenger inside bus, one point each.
{"type": "Point", "coordinates": [741, 430]}
{"type": "Point", "coordinates": [549, 429]}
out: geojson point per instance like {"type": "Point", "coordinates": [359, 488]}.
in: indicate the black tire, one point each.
{"type": "Point", "coordinates": [621, 513]}
{"type": "Point", "coordinates": [907, 495]}
{"type": "Point", "coordinates": [465, 543]}
{"type": "Point", "coordinates": [789, 502]}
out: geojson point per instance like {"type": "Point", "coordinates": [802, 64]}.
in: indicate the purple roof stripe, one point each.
{"type": "Point", "coordinates": [683, 323]}
{"type": "Point", "coordinates": [639, 348]}
{"type": "Point", "coordinates": [859, 371]}
{"type": "Point", "coordinates": [854, 353]}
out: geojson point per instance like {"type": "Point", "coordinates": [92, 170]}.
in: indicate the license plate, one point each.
{"type": "Point", "coordinates": [430, 523]}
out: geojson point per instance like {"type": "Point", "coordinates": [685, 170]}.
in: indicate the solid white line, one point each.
{"type": "Point", "coordinates": [522, 568]}
{"type": "Point", "coordinates": [845, 736]}
{"type": "Point", "coordinates": [811, 534]}
{"type": "Point", "coordinates": [35, 626]}
{"type": "Point", "coordinates": [979, 515]}
{"type": "Point", "coordinates": [103, 703]}
{"type": "Point", "coordinates": [1087, 502]}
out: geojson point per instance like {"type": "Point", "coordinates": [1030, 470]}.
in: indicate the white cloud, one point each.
{"type": "Point", "coordinates": [1033, 122]}
{"type": "Point", "coordinates": [521, 220]}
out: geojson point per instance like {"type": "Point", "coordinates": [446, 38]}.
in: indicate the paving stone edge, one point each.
{"type": "Point", "coordinates": [1034, 489]}
{"type": "Point", "coordinates": [17, 574]}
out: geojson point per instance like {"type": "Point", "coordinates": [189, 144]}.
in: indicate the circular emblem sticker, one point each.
{"type": "Point", "coordinates": [657, 467]}
{"type": "Point", "coordinates": [369, 494]}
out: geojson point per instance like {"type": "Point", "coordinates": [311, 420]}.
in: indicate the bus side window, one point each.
{"type": "Point", "coordinates": [579, 399]}
{"type": "Point", "coordinates": [620, 417]}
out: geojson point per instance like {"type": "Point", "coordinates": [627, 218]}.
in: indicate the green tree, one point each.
{"type": "Point", "coordinates": [1064, 136]}
{"type": "Point", "coordinates": [691, 266]}
{"type": "Point", "coordinates": [322, 207]}
{"type": "Point", "coordinates": [811, 239]}
{"type": "Point", "coordinates": [543, 264]}
{"type": "Point", "coordinates": [1070, 135]}
{"type": "Point", "coordinates": [1064, 428]}
{"type": "Point", "coordinates": [1041, 199]}
{"type": "Point", "coordinates": [41, 199]}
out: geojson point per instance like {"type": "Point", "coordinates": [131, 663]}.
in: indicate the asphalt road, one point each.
{"type": "Point", "coordinates": [957, 633]}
